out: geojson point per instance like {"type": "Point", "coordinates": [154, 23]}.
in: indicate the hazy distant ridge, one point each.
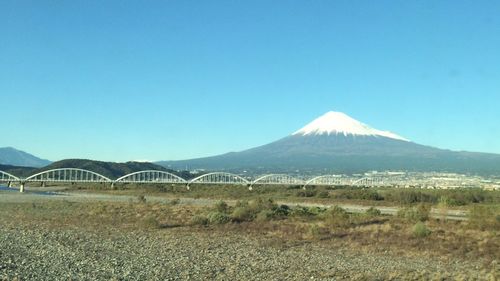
{"type": "Point", "coordinates": [14, 157]}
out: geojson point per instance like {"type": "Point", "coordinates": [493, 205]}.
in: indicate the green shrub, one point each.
{"type": "Point", "coordinates": [248, 211]}
{"type": "Point", "coordinates": [301, 211]}
{"type": "Point", "coordinates": [265, 215]}
{"type": "Point", "coordinates": [420, 230]}
{"type": "Point", "coordinates": [373, 212]}
{"type": "Point", "coordinates": [199, 220]}
{"type": "Point", "coordinates": [280, 211]}
{"type": "Point", "coordinates": [415, 214]}
{"type": "Point", "coordinates": [218, 218]}
{"type": "Point", "coordinates": [446, 201]}
{"type": "Point", "coordinates": [221, 207]}
{"type": "Point", "coordinates": [243, 213]}
{"type": "Point", "coordinates": [336, 216]}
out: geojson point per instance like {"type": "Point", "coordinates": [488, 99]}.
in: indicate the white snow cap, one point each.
{"type": "Point", "coordinates": [339, 123]}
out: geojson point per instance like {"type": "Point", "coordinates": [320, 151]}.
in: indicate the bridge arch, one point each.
{"type": "Point", "coordinates": [6, 177]}
{"type": "Point", "coordinates": [369, 181]}
{"type": "Point", "coordinates": [276, 179]}
{"type": "Point", "coordinates": [330, 180]}
{"type": "Point", "coordinates": [67, 175]}
{"type": "Point", "coordinates": [218, 178]}
{"type": "Point", "coordinates": [150, 176]}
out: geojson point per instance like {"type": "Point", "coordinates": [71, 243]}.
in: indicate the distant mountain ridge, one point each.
{"type": "Point", "coordinates": [14, 157]}
{"type": "Point", "coordinates": [337, 143]}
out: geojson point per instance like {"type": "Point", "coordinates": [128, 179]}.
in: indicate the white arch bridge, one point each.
{"type": "Point", "coordinates": [74, 175]}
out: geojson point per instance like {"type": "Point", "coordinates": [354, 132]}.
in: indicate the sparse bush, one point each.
{"type": "Point", "coordinates": [455, 197]}
{"type": "Point", "coordinates": [373, 212]}
{"type": "Point", "coordinates": [265, 215]}
{"type": "Point", "coordinates": [316, 232]}
{"type": "Point", "coordinates": [301, 211]}
{"type": "Point", "coordinates": [305, 193]}
{"type": "Point", "coordinates": [446, 201]}
{"type": "Point", "coordinates": [323, 194]}
{"type": "Point", "coordinates": [484, 218]}
{"type": "Point", "coordinates": [261, 204]}
{"type": "Point", "coordinates": [141, 198]}
{"type": "Point", "coordinates": [415, 214]}
{"type": "Point", "coordinates": [175, 201]}
{"type": "Point", "coordinates": [241, 214]}
{"type": "Point", "coordinates": [358, 194]}
{"type": "Point", "coordinates": [404, 196]}
{"type": "Point", "coordinates": [218, 218]}
{"type": "Point", "coordinates": [151, 222]}
{"type": "Point", "coordinates": [336, 216]}
{"type": "Point", "coordinates": [420, 230]}
{"type": "Point", "coordinates": [249, 211]}
{"type": "Point", "coordinates": [221, 207]}
{"type": "Point", "coordinates": [280, 211]}
{"type": "Point", "coordinates": [199, 220]}
{"type": "Point", "coordinates": [241, 204]}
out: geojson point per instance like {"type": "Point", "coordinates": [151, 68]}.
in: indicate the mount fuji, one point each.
{"type": "Point", "coordinates": [337, 143]}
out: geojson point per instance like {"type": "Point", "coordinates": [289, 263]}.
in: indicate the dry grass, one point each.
{"type": "Point", "coordinates": [334, 227]}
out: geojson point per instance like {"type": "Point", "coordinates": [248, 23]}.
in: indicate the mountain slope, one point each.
{"type": "Point", "coordinates": [17, 170]}
{"type": "Point", "coordinates": [336, 143]}
{"type": "Point", "coordinates": [14, 157]}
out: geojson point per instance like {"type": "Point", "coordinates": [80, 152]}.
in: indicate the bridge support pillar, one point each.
{"type": "Point", "coordinates": [21, 187]}
{"type": "Point", "coordinates": [42, 184]}
{"type": "Point", "coordinates": [9, 184]}
{"type": "Point", "coordinates": [113, 185]}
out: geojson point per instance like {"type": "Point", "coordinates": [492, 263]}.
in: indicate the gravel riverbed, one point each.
{"type": "Point", "coordinates": [35, 253]}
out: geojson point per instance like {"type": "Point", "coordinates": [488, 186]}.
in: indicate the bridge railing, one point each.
{"type": "Point", "coordinates": [329, 180]}
{"type": "Point", "coordinates": [150, 176]}
{"type": "Point", "coordinates": [218, 178]}
{"type": "Point", "coordinates": [67, 175]}
{"type": "Point", "coordinates": [276, 179]}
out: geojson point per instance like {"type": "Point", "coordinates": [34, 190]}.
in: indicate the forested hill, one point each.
{"type": "Point", "coordinates": [17, 170]}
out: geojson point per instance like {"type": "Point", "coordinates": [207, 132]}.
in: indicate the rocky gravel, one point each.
{"type": "Point", "coordinates": [38, 253]}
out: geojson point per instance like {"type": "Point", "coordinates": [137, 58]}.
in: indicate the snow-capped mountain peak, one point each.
{"type": "Point", "coordinates": [339, 123]}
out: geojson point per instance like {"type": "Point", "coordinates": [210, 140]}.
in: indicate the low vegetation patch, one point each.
{"type": "Point", "coordinates": [373, 212]}
{"type": "Point", "coordinates": [485, 218]}
{"type": "Point", "coordinates": [420, 230]}
{"type": "Point", "coordinates": [411, 230]}
{"type": "Point", "coordinates": [419, 213]}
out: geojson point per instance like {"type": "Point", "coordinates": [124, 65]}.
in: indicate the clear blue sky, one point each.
{"type": "Point", "coordinates": [162, 80]}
